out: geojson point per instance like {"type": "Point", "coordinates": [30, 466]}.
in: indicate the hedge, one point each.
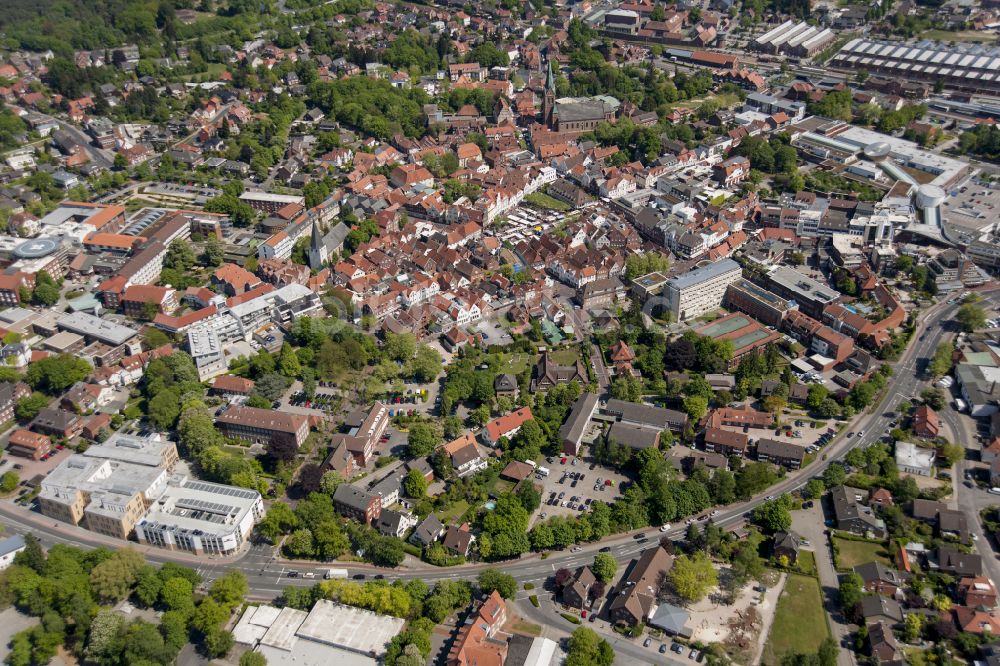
{"type": "Point", "coordinates": [571, 618]}
{"type": "Point", "coordinates": [534, 600]}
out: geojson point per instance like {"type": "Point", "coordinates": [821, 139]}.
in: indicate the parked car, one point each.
{"type": "Point", "coordinates": [647, 642]}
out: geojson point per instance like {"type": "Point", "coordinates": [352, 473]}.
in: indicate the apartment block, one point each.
{"type": "Point", "coordinates": [701, 290]}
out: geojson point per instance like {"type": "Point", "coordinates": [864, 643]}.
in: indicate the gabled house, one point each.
{"type": "Point", "coordinates": [427, 531]}
{"type": "Point", "coordinates": [576, 590]}
{"type": "Point", "coordinates": [787, 544]}
{"type": "Point", "coordinates": [458, 540]}
{"type": "Point", "coordinates": [880, 579]}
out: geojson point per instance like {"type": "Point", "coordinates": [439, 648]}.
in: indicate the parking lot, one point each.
{"type": "Point", "coordinates": [974, 207]}
{"type": "Point", "coordinates": [570, 488]}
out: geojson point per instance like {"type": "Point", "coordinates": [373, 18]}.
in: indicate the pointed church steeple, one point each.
{"type": "Point", "coordinates": [549, 101]}
{"type": "Point", "coordinates": [317, 253]}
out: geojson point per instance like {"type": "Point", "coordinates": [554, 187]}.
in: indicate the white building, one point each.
{"type": "Point", "coordinates": [201, 517]}
{"type": "Point", "coordinates": [9, 548]}
{"type": "Point", "coordinates": [913, 459]}
{"type": "Point", "coordinates": [330, 633]}
{"type": "Point", "coordinates": [701, 290]}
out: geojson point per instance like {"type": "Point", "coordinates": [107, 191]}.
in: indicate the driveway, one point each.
{"type": "Point", "coordinates": [809, 524]}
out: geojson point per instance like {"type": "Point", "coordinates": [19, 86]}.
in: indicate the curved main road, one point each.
{"type": "Point", "coordinates": [268, 574]}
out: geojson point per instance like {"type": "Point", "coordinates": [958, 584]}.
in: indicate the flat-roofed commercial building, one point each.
{"type": "Point", "coordinates": [759, 303]}
{"type": "Point", "coordinates": [94, 328]}
{"type": "Point", "coordinates": [701, 290]}
{"type": "Point", "coordinates": [148, 451]}
{"type": "Point", "coordinates": [105, 496]}
{"type": "Point", "coordinates": [810, 295]}
{"type": "Point", "coordinates": [201, 517]}
{"type": "Point", "coordinates": [263, 426]}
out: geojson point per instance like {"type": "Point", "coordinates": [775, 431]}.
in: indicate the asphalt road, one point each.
{"type": "Point", "coordinates": [268, 575]}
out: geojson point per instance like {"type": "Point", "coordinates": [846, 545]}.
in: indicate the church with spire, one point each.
{"type": "Point", "coordinates": [323, 248]}
{"type": "Point", "coordinates": [549, 102]}
{"type": "Point", "coordinates": [575, 115]}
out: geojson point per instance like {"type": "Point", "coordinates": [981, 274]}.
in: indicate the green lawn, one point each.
{"type": "Point", "coordinates": [454, 512]}
{"type": "Point", "coordinates": [852, 553]}
{"type": "Point", "coordinates": [543, 200]}
{"type": "Point", "coordinates": [806, 562]}
{"type": "Point", "coordinates": [564, 356]}
{"type": "Point", "coordinates": [799, 621]}
{"type": "Point", "coordinates": [517, 362]}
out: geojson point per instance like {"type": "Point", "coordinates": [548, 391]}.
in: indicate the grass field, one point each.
{"type": "Point", "coordinates": [517, 362]}
{"type": "Point", "coordinates": [454, 512]}
{"type": "Point", "coordinates": [564, 356]}
{"type": "Point", "coordinates": [960, 36]}
{"type": "Point", "coordinates": [806, 562]}
{"type": "Point", "coordinates": [543, 200]}
{"type": "Point", "coordinates": [799, 621]}
{"type": "Point", "coordinates": [852, 553]}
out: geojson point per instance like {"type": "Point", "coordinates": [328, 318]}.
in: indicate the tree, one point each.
{"type": "Point", "coordinates": [28, 408]}
{"type": "Point", "coordinates": [45, 294]}
{"type": "Point", "coordinates": [176, 593]}
{"type": "Point", "coordinates": [605, 566]}
{"type": "Point", "coordinates": [834, 475]}
{"type": "Point", "coordinates": [255, 659]}
{"type": "Point", "coordinates": [415, 484]}
{"type": "Point", "coordinates": [422, 439]}
{"type": "Point", "coordinates": [282, 449]}
{"type": "Point", "coordinates": [940, 363]}
{"type": "Point", "coordinates": [774, 515]}
{"type": "Point", "coordinates": [747, 563]}
{"type": "Point", "coordinates": [400, 346]}
{"type": "Point", "coordinates": [586, 648]}
{"type": "Point", "coordinates": [163, 409]}
{"type": "Point", "coordinates": [813, 489]}
{"type": "Point", "coordinates": [218, 643]}
{"type": "Point", "coordinates": [972, 317]}
{"type": "Point", "coordinates": [934, 397]}
{"type": "Point", "coordinates": [213, 254]}
{"type": "Point", "coordinates": [693, 576]}
{"type": "Point", "coordinates": [180, 257]}
{"type": "Point", "coordinates": [328, 484]}
{"type": "Point", "coordinates": [112, 579]}
{"type": "Point", "coordinates": [426, 364]}
{"type": "Point", "coordinates": [849, 593]}
{"type": "Point", "coordinates": [8, 482]}
{"type": "Point", "coordinates": [494, 579]}
{"type": "Point", "coordinates": [695, 406]}
{"type": "Point", "coordinates": [952, 453]}
{"type": "Point", "coordinates": [229, 589]}
{"type": "Point", "coordinates": [913, 627]}
{"type": "Point", "coordinates": [529, 496]}
{"type": "Point", "coordinates": [55, 374]}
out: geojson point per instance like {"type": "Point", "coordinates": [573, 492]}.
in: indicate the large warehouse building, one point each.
{"type": "Point", "coordinates": [796, 39]}
{"type": "Point", "coordinates": [969, 67]}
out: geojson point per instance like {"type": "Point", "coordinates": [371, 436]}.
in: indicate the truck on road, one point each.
{"type": "Point", "coordinates": [335, 573]}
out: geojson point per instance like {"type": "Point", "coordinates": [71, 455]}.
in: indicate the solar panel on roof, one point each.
{"type": "Point", "coordinates": [967, 60]}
